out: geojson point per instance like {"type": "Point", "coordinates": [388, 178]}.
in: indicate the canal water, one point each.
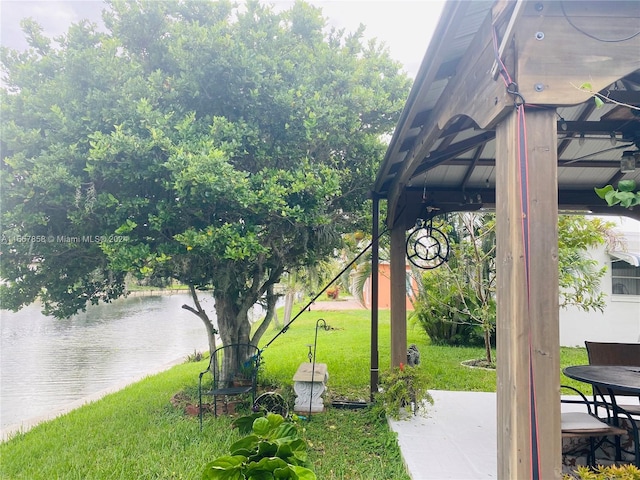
{"type": "Point", "coordinates": [48, 365]}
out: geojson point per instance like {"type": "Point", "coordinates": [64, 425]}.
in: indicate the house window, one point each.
{"type": "Point", "coordinates": [625, 278]}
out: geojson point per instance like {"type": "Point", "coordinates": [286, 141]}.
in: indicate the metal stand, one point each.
{"type": "Point", "coordinates": [313, 365]}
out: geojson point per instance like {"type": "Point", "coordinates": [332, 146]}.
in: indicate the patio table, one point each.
{"type": "Point", "coordinates": [608, 379]}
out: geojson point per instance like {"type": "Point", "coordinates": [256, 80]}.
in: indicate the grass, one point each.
{"type": "Point", "coordinates": [134, 433]}
{"type": "Point", "coordinates": [345, 349]}
{"type": "Point", "coordinates": [137, 433]}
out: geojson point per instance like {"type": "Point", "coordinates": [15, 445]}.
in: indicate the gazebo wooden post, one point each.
{"type": "Point", "coordinates": [528, 393]}
{"type": "Point", "coordinates": [398, 276]}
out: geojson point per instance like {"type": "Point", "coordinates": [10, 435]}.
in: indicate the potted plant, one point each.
{"type": "Point", "coordinates": [403, 388]}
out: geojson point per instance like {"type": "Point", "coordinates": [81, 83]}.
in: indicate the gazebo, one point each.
{"type": "Point", "coordinates": [521, 107]}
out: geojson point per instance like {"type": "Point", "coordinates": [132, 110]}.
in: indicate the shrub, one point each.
{"type": "Point", "coordinates": [402, 387]}
{"type": "Point", "coordinates": [611, 472]}
{"type": "Point", "coordinates": [272, 449]}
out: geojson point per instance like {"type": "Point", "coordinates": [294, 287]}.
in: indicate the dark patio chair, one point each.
{"type": "Point", "coordinates": [612, 353]}
{"type": "Point", "coordinates": [605, 353]}
{"type": "Point", "coordinates": [233, 370]}
{"type": "Point", "coordinates": [585, 424]}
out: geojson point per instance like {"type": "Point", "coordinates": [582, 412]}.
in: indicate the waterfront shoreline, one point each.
{"type": "Point", "coordinates": [160, 291]}
{"type": "Point", "coordinates": [10, 431]}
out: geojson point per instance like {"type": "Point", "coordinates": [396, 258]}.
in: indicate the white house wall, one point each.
{"type": "Point", "coordinates": [620, 320]}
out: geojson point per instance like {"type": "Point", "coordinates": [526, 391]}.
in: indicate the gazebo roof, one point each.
{"type": "Point", "coordinates": [442, 155]}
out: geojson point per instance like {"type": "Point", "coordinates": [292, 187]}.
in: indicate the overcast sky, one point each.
{"type": "Point", "coordinates": [404, 25]}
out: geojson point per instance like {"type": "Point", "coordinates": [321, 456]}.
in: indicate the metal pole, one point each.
{"type": "Point", "coordinates": [286, 327]}
{"type": "Point", "coordinates": [313, 365]}
{"type": "Point", "coordinates": [375, 245]}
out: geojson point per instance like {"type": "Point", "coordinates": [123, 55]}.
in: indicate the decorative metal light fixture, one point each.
{"type": "Point", "coordinates": [628, 161]}
{"type": "Point", "coordinates": [581, 139]}
{"type": "Point", "coordinates": [427, 247]}
{"type": "Point", "coordinates": [562, 123]}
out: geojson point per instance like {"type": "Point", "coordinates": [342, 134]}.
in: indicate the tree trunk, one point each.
{"type": "Point", "coordinates": [199, 311]}
{"type": "Point", "coordinates": [276, 321]}
{"type": "Point", "coordinates": [487, 344]}
{"type": "Point", "coordinates": [288, 306]}
{"type": "Point", "coordinates": [272, 299]}
{"type": "Point", "coordinates": [233, 319]}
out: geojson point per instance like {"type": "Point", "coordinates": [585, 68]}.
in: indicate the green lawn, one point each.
{"type": "Point", "coordinates": [137, 434]}
{"type": "Point", "coordinates": [345, 350]}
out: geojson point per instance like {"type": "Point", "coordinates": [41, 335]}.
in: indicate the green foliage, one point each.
{"type": "Point", "coordinates": [221, 146]}
{"type": "Point", "coordinates": [456, 302]}
{"type": "Point", "coordinates": [402, 387]}
{"type": "Point", "coordinates": [443, 313]}
{"type": "Point", "coordinates": [596, 96]}
{"type": "Point", "coordinates": [625, 194]}
{"type": "Point", "coordinates": [195, 356]}
{"type": "Point", "coordinates": [273, 450]}
{"type": "Point", "coordinates": [610, 472]}
{"type": "Point", "coordinates": [580, 275]}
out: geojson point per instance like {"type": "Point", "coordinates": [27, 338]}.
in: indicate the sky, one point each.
{"type": "Point", "coordinates": [405, 26]}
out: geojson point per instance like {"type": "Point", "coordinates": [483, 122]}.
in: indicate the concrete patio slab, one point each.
{"type": "Point", "coordinates": [455, 439]}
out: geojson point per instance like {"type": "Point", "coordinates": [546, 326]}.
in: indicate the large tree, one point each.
{"type": "Point", "coordinates": [217, 145]}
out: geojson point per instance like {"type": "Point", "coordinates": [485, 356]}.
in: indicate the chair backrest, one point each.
{"type": "Point", "coordinates": [611, 353]}
{"type": "Point", "coordinates": [233, 363]}
{"type": "Point", "coordinates": [605, 353]}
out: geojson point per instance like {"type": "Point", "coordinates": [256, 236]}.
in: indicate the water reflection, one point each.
{"type": "Point", "coordinates": [47, 363]}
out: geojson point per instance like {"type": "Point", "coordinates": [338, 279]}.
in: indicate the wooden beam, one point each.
{"type": "Point", "coordinates": [436, 55]}
{"type": "Point", "coordinates": [507, 37]}
{"type": "Point", "coordinates": [472, 92]}
{"type": "Point", "coordinates": [527, 292]}
{"type": "Point", "coordinates": [603, 127]}
{"type": "Point", "coordinates": [398, 276]}
{"type": "Point", "coordinates": [472, 166]}
{"type": "Point", "coordinates": [464, 146]}
{"type": "Point", "coordinates": [586, 113]}
{"type": "Point", "coordinates": [471, 199]}
{"type": "Point", "coordinates": [562, 45]}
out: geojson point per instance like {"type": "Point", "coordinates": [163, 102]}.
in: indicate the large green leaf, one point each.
{"type": "Point", "coordinates": [601, 192]}
{"type": "Point", "coordinates": [261, 426]}
{"type": "Point", "coordinates": [225, 468]}
{"type": "Point", "coordinates": [265, 465]}
{"type": "Point", "coordinates": [627, 199]}
{"type": "Point", "coordinates": [295, 472]}
{"type": "Point", "coordinates": [250, 442]}
{"type": "Point", "coordinates": [244, 424]}
{"type": "Point", "coordinates": [267, 449]}
{"type": "Point", "coordinates": [284, 432]}
{"type": "Point", "coordinates": [298, 449]}
{"type": "Point", "coordinates": [612, 198]}
{"type": "Point", "coordinates": [275, 420]}
{"type": "Point", "coordinates": [627, 185]}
